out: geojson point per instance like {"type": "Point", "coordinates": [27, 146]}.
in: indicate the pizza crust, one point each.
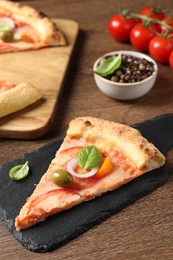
{"type": "Point", "coordinates": [106, 134]}
{"type": "Point", "coordinates": [49, 35]}
{"type": "Point", "coordinates": [17, 98]}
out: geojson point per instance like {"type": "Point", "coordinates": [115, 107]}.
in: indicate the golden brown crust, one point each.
{"type": "Point", "coordinates": [106, 135]}
{"type": "Point", "coordinates": [17, 98]}
{"type": "Point", "coordinates": [48, 33]}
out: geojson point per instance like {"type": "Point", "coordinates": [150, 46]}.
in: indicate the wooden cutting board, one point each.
{"type": "Point", "coordinates": [46, 69]}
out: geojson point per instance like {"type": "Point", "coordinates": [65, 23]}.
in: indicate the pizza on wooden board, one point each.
{"type": "Point", "coordinates": [14, 97]}
{"type": "Point", "coordinates": [96, 156]}
{"type": "Point", "coordinates": [24, 28]}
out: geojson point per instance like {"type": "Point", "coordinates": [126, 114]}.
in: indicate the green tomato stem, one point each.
{"type": "Point", "coordinates": [147, 21]}
{"type": "Point", "coordinates": [150, 20]}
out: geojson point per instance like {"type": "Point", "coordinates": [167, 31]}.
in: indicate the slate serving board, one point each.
{"type": "Point", "coordinates": [61, 228]}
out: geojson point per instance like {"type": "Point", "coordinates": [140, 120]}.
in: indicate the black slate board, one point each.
{"type": "Point", "coordinates": [61, 228]}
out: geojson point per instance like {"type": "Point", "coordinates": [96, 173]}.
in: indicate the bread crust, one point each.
{"type": "Point", "coordinates": [17, 98]}
{"type": "Point", "coordinates": [108, 135]}
{"type": "Point", "coordinates": [49, 35]}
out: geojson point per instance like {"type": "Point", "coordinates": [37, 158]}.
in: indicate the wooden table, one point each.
{"type": "Point", "coordinates": [143, 230]}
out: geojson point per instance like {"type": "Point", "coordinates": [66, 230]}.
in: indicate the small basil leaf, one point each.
{"type": "Point", "coordinates": [89, 157]}
{"type": "Point", "coordinates": [5, 27]}
{"type": "Point", "coordinates": [108, 66]}
{"type": "Point", "coordinates": [19, 172]}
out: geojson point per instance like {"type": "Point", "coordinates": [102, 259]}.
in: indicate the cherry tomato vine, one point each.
{"type": "Point", "coordinates": [149, 30]}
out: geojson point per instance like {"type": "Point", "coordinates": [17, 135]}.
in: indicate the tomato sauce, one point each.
{"type": "Point", "coordinates": [6, 85]}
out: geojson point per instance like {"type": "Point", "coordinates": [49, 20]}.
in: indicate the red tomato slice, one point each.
{"type": "Point", "coordinates": [7, 47]}
{"type": "Point", "coordinates": [62, 192]}
{"type": "Point", "coordinates": [71, 151]}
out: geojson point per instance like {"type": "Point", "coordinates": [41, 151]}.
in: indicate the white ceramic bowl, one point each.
{"type": "Point", "coordinates": [125, 91]}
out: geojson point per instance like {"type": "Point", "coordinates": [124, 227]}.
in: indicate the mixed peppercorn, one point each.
{"type": "Point", "coordinates": [132, 70]}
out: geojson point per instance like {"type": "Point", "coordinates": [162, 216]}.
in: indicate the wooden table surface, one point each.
{"type": "Point", "coordinates": [143, 230]}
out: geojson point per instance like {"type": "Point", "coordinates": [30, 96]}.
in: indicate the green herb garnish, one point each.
{"type": "Point", "coordinates": [89, 157]}
{"type": "Point", "coordinates": [108, 66]}
{"type": "Point", "coordinates": [5, 27]}
{"type": "Point", "coordinates": [19, 172]}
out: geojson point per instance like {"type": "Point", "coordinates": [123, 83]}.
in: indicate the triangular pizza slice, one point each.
{"type": "Point", "coordinates": [14, 97]}
{"type": "Point", "coordinates": [96, 156]}
{"type": "Point", "coordinates": [24, 28]}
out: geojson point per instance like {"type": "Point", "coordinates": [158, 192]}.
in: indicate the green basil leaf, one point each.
{"type": "Point", "coordinates": [5, 27]}
{"type": "Point", "coordinates": [19, 172]}
{"type": "Point", "coordinates": [108, 66]}
{"type": "Point", "coordinates": [89, 157]}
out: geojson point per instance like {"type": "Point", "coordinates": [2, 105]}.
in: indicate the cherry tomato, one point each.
{"type": "Point", "coordinates": [120, 27]}
{"type": "Point", "coordinates": [171, 60]}
{"type": "Point", "coordinates": [141, 36]}
{"type": "Point", "coordinates": [153, 12]}
{"type": "Point", "coordinates": [160, 49]}
{"type": "Point", "coordinates": [169, 21]}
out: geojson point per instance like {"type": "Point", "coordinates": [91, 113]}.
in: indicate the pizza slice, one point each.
{"type": "Point", "coordinates": [96, 156]}
{"type": "Point", "coordinates": [14, 97]}
{"type": "Point", "coordinates": [24, 28]}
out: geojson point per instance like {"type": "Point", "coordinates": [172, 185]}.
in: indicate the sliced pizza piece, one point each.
{"type": "Point", "coordinates": [96, 156]}
{"type": "Point", "coordinates": [24, 28]}
{"type": "Point", "coordinates": [16, 97]}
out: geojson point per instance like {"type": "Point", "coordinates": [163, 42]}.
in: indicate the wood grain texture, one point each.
{"type": "Point", "coordinates": [46, 70]}
{"type": "Point", "coordinates": [143, 230]}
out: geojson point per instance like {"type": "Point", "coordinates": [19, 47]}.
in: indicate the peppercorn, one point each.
{"type": "Point", "coordinates": [132, 69]}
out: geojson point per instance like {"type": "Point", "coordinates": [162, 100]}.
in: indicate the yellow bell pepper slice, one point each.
{"type": "Point", "coordinates": [105, 168]}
